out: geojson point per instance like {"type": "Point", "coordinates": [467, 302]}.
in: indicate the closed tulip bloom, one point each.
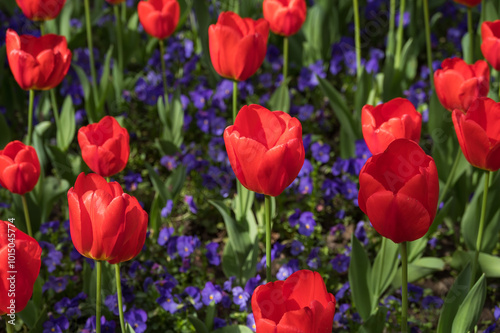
{"type": "Point", "coordinates": [105, 146]}
{"type": "Point", "coordinates": [478, 133]}
{"type": "Point", "coordinates": [285, 17]}
{"type": "Point", "coordinates": [41, 10]}
{"type": "Point", "coordinates": [23, 252]}
{"type": "Point", "coordinates": [265, 149]}
{"type": "Point", "coordinates": [238, 45]}
{"type": "Point", "coordinates": [389, 121]}
{"type": "Point", "coordinates": [469, 3]}
{"type": "Point", "coordinates": [19, 167]}
{"type": "Point", "coordinates": [490, 34]}
{"type": "Point", "coordinates": [105, 223]}
{"type": "Point", "coordinates": [459, 84]}
{"type": "Point", "coordinates": [159, 17]}
{"type": "Point", "coordinates": [301, 303]}
{"type": "Point", "coordinates": [398, 191]}
{"type": "Point", "coordinates": [38, 63]}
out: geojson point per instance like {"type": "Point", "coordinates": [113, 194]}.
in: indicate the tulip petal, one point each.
{"type": "Point", "coordinates": [300, 321]}
{"type": "Point", "coordinates": [80, 223]}
{"type": "Point", "coordinates": [260, 124]}
{"type": "Point", "coordinates": [302, 287]}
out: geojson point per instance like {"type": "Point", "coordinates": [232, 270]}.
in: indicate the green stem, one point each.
{"type": "Point", "coordinates": [55, 108]}
{"type": "Point", "coordinates": [498, 81]}
{"type": "Point", "coordinates": [119, 37]}
{"type": "Point", "coordinates": [471, 34]}
{"type": "Point", "coordinates": [450, 176]}
{"type": "Point", "coordinates": [124, 11]}
{"type": "Point", "coordinates": [404, 286]}
{"type": "Point", "coordinates": [285, 59]}
{"type": "Point", "coordinates": [119, 292]}
{"type": "Point", "coordinates": [379, 277]}
{"type": "Point", "coordinates": [42, 28]}
{"type": "Point", "coordinates": [357, 37]}
{"type": "Point", "coordinates": [428, 40]}
{"type": "Point", "coordinates": [9, 327]}
{"type": "Point", "coordinates": [235, 100]}
{"type": "Point", "coordinates": [479, 239]}
{"type": "Point", "coordinates": [399, 39]}
{"type": "Point", "coordinates": [267, 212]}
{"type": "Point", "coordinates": [27, 215]}
{"type": "Point", "coordinates": [163, 70]}
{"type": "Point", "coordinates": [98, 298]}
{"type": "Point", "coordinates": [392, 27]}
{"type": "Point", "coordinates": [30, 116]}
{"type": "Point", "coordinates": [91, 52]}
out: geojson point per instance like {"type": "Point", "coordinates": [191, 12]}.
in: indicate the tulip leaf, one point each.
{"type": "Point", "coordinates": [29, 314]}
{"type": "Point", "coordinates": [66, 131]}
{"type": "Point", "coordinates": [104, 83]}
{"type": "Point", "coordinates": [233, 329]}
{"type": "Point", "coordinates": [359, 275]}
{"type": "Point", "coordinates": [418, 269]}
{"type": "Point", "coordinates": [280, 100]}
{"type": "Point", "coordinates": [209, 316]}
{"type": "Point", "coordinates": [416, 249]}
{"type": "Point", "coordinates": [470, 309]}
{"type": "Point", "coordinates": [155, 214]}
{"type": "Point", "coordinates": [128, 328]}
{"type": "Point", "coordinates": [453, 300]}
{"type": "Point", "coordinates": [376, 322]}
{"type": "Point", "coordinates": [175, 182]}
{"type": "Point", "coordinates": [490, 265]}
{"type": "Point", "coordinates": [384, 269]}
{"type": "Point", "coordinates": [157, 183]}
{"type": "Point", "coordinates": [199, 326]}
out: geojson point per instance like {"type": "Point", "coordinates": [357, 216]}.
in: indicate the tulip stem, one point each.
{"type": "Point", "coordinates": [428, 41]}
{"type": "Point", "coordinates": [479, 239]}
{"type": "Point", "coordinates": [450, 176]}
{"type": "Point", "coordinates": [357, 37]}
{"type": "Point", "coordinates": [163, 70]}
{"type": "Point", "coordinates": [9, 327]}
{"type": "Point", "coordinates": [471, 35]}
{"type": "Point", "coordinates": [119, 292]}
{"type": "Point", "coordinates": [30, 116]}
{"type": "Point", "coordinates": [498, 81]}
{"type": "Point", "coordinates": [98, 298]}
{"type": "Point", "coordinates": [235, 100]}
{"type": "Point", "coordinates": [267, 212]}
{"type": "Point", "coordinates": [119, 37]}
{"type": "Point", "coordinates": [27, 215]}
{"type": "Point", "coordinates": [404, 286]}
{"type": "Point", "coordinates": [285, 59]}
{"type": "Point", "coordinates": [399, 39]}
{"type": "Point", "coordinates": [91, 53]}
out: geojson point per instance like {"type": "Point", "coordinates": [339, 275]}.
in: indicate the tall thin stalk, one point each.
{"type": "Point", "coordinates": [479, 239]}
{"type": "Point", "coordinates": [357, 34]}
{"type": "Point", "coordinates": [428, 41]}
{"type": "Point", "coordinates": [98, 297]}
{"type": "Point", "coordinates": [404, 286]}
{"type": "Point", "coordinates": [30, 116]}
{"type": "Point", "coordinates": [267, 212]}
{"type": "Point", "coordinates": [91, 51]}
{"type": "Point", "coordinates": [120, 298]}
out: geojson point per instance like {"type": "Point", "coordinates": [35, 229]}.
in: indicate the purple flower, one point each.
{"type": "Point", "coordinates": [240, 297]}
{"type": "Point", "coordinates": [306, 224]}
{"type": "Point", "coordinates": [305, 185]}
{"type": "Point", "coordinates": [251, 322]}
{"type": "Point", "coordinates": [52, 258]}
{"type": "Point", "coordinates": [58, 284]}
{"type": "Point", "coordinates": [165, 211]}
{"type": "Point", "coordinates": [192, 206]}
{"type": "Point", "coordinates": [200, 96]}
{"type": "Point", "coordinates": [360, 232]}
{"type": "Point", "coordinates": [320, 152]}
{"type": "Point", "coordinates": [252, 283]}
{"type": "Point", "coordinates": [137, 319]}
{"type": "Point", "coordinates": [297, 247]}
{"type": "Point", "coordinates": [294, 218]}
{"type": "Point", "coordinates": [184, 246]}
{"type": "Point", "coordinates": [106, 326]}
{"type": "Point", "coordinates": [49, 226]}
{"type": "Point", "coordinates": [131, 180]}
{"type": "Point", "coordinates": [219, 322]}
{"type": "Point", "coordinates": [433, 242]}
{"type": "Point", "coordinates": [287, 269]}
{"type": "Point", "coordinates": [111, 302]}
{"type": "Point", "coordinates": [167, 303]}
{"type": "Point", "coordinates": [340, 263]}
{"type": "Point", "coordinates": [211, 294]}
{"type": "Point", "coordinates": [169, 162]}
{"type": "Point", "coordinates": [415, 293]}
{"type": "Point", "coordinates": [313, 258]}
{"type": "Point", "coordinates": [432, 302]}
{"type": "Point", "coordinates": [342, 291]}
{"type": "Point", "coordinates": [58, 325]}
{"type": "Point", "coordinates": [307, 168]}
{"type": "Point", "coordinates": [496, 313]}
{"type": "Point", "coordinates": [165, 234]}
{"type": "Point", "coordinates": [212, 255]}
{"type": "Point", "coordinates": [194, 297]}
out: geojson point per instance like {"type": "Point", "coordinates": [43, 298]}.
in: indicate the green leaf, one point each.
{"type": "Point", "coordinates": [376, 322]}
{"type": "Point", "coordinates": [128, 328]}
{"type": "Point", "coordinates": [470, 310]}
{"type": "Point", "coordinates": [175, 182]}
{"type": "Point", "coordinates": [210, 315]}
{"type": "Point", "coordinates": [29, 314]}
{"type": "Point", "coordinates": [199, 326]}
{"type": "Point", "coordinates": [359, 275]}
{"type": "Point", "coordinates": [453, 300]}
{"type": "Point", "coordinates": [418, 269]}
{"type": "Point", "coordinates": [66, 133]}
{"type": "Point", "coordinates": [104, 84]}
{"type": "Point", "coordinates": [280, 99]}
{"type": "Point", "coordinates": [155, 214]}
{"type": "Point", "coordinates": [158, 184]}
{"type": "Point", "coordinates": [416, 249]}
{"type": "Point", "coordinates": [233, 329]}
{"type": "Point", "coordinates": [384, 269]}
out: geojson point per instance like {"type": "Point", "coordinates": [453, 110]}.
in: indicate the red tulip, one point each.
{"type": "Point", "coordinates": [459, 84]}
{"type": "Point", "coordinates": [398, 191]}
{"type": "Point", "coordinates": [105, 223]}
{"type": "Point", "coordinates": [299, 304]}
{"type": "Point", "coordinates": [469, 3]}
{"type": "Point", "coordinates": [159, 17]}
{"type": "Point", "coordinates": [490, 34]}
{"type": "Point", "coordinates": [265, 149]}
{"type": "Point", "coordinates": [41, 10]}
{"type": "Point", "coordinates": [389, 121]}
{"type": "Point", "coordinates": [105, 146]}
{"type": "Point", "coordinates": [238, 45]}
{"type": "Point", "coordinates": [285, 17]}
{"type": "Point", "coordinates": [37, 63]}
{"type": "Point", "coordinates": [19, 167]}
{"type": "Point", "coordinates": [19, 253]}
{"type": "Point", "coordinates": [478, 133]}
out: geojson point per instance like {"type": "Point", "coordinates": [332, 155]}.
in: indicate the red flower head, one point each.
{"type": "Point", "coordinates": [478, 132]}
{"type": "Point", "coordinates": [285, 17]}
{"type": "Point", "coordinates": [37, 63]}
{"type": "Point", "coordinates": [299, 304]}
{"type": "Point", "coordinates": [23, 253]}
{"type": "Point", "coordinates": [459, 84]}
{"type": "Point", "coordinates": [389, 121]}
{"type": "Point", "coordinates": [265, 149]}
{"type": "Point", "coordinates": [105, 223]}
{"type": "Point", "coordinates": [19, 167]}
{"type": "Point", "coordinates": [468, 3]}
{"type": "Point", "coordinates": [41, 10]}
{"type": "Point", "coordinates": [237, 46]}
{"type": "Point", "coordinates": [490, 34]}
{"type": "Point", "coordinates": [159, 17]}
{"type": "Point", "coordinates": [105, 146]}
{"type": "Point", "coordinates": [398, 191]}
